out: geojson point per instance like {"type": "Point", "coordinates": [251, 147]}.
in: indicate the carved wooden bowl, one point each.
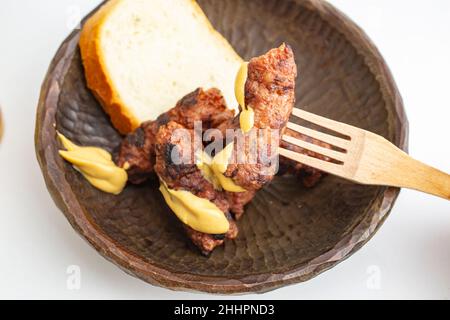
{"type": "Point", "coordinates": [289, 234]}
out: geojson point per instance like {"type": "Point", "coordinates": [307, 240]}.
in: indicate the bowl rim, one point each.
{"type": "Point", "coordinates": [139, 267]}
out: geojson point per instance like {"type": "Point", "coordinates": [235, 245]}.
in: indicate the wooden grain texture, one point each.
{"type": "Point", "coordinates": [363, 157]}
{"type": "Point", "coordinates": [289, 234]}
{"type": "Point", "coordinates": [378, 162]}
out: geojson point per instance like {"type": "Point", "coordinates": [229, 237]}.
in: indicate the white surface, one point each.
{"type": "Point", "coordinates": [408, 258]}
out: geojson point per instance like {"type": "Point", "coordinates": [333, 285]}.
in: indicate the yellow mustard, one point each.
{"type": "Point", "coordinates": [200, 214]}
{"type": "Point", "coordinates": [96, 165]}
{"type": "Point", "coordinates": [213, 170]}
{"type": "Point", "coordinates": [204, 165]}
{"type": "Point", "coordinates": [247, 119]}
{"type": "Point", "coordinates": [247, 116]}
{"type": "Point", "coordinates": [219, 166]}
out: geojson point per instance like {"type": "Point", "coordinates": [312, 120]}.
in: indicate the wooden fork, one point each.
{"type": "Point", "coordinates": [366, 158]}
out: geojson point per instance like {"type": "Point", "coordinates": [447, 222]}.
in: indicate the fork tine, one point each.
{"type": "Point", "coordinates": [328, 138]}
{"type": "Point", "coordinates": [335, 126]}
{"type": "Point", "coordinates": [340, 156]}
{"type": "Point", "coordinates": [329, 167]}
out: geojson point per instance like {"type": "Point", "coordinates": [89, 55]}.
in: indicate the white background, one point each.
{"type": "Point", "coordinates": [408, 258]}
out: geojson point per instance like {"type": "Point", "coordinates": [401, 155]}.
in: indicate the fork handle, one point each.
{"type": "Point", "coordinates": [426, 179]}
{"type": "Point", "coordinates": [396, 168]}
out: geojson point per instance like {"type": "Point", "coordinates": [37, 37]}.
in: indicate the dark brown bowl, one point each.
{"type": "Point", "coordinates": [289, 234]}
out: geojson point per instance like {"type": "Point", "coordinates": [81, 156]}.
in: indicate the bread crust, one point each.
{"type": "Point", "coordinates": [97, 76]}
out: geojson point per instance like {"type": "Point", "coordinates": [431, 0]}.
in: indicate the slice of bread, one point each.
{"type": "Point", "coordinates": [141, 56]}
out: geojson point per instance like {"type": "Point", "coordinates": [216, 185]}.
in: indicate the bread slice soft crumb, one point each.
{"type": "Point", "coordinates": [141, 56]}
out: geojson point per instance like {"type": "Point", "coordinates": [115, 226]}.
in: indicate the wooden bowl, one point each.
{"type": "Point", "coordinates": [289, 234]}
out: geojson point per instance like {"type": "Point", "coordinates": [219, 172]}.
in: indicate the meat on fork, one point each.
{"type": "Point", "coordinates": [137, 151]}
{"type": "Point", "coordinates": [270, 87]}
{"type": "Point", "coordinates": [185, 175]}
{"type": "Point", "coordinates": [270, 92]}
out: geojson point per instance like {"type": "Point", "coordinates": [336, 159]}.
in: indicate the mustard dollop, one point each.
{"type": "Point", "coordinates": [219, 166]}
{"type": "Point", "coordinates": [213, 169]}
{"type": "Point", "coordinates": [247, 116]}
{"type": "Point", "coordinates": [200, 214]}
{"type": "Point", "coordinates": [96, 165]}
